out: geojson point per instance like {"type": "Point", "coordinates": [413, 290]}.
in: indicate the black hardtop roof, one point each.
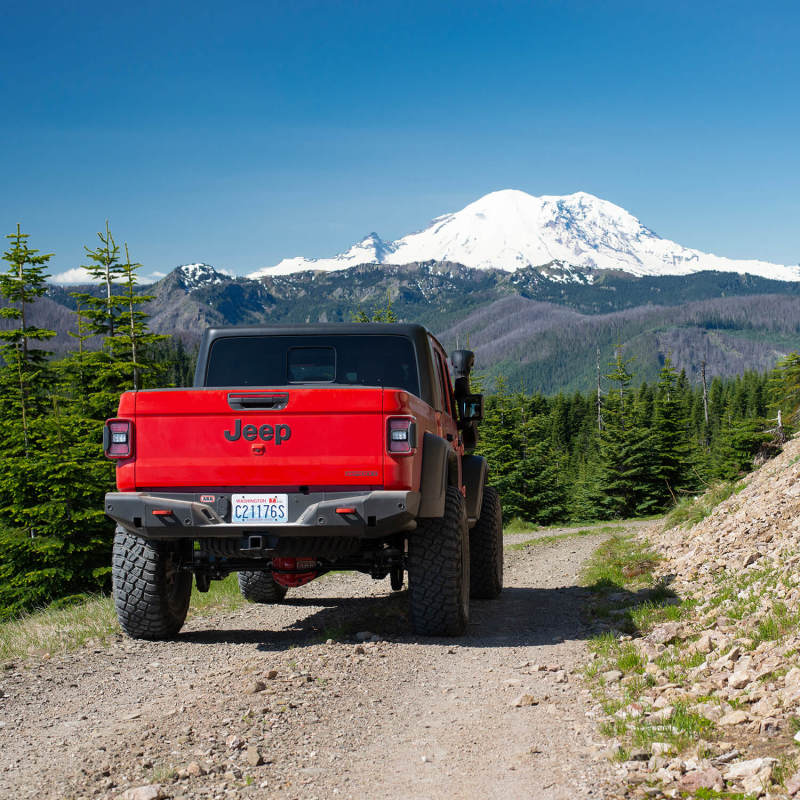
{"type": "Point", "coordinates": [418, 334]}
{"type": "Point", "coordinates": [317, 328]}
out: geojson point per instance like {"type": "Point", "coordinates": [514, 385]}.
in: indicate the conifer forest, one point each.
{"type": "Point", "coordinates": [626, 449]}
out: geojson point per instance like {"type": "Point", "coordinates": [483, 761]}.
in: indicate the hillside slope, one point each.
{"type": "Point", "coordinates": [544, 347]}
{"type": "Point", "coordinates": [727, 661]}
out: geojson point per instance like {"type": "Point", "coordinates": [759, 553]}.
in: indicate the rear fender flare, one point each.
{"type": "Point", "coordinates": [435, 475]}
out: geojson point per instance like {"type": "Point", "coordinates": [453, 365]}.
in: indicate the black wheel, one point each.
{"type": "Point", "coordinates": [486, 549]}
{"type": "Point", "coordinates": [438, 571]}
{"type": "Point", "coordinates": [151, 593]}
{"type": "Point", "coordinates": [258, 586]}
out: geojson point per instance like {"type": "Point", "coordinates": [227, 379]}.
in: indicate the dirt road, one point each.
{"type": "Point", "coordinates": [290, 686]}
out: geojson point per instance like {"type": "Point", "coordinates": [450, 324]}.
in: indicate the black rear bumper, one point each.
{"type": "Point", "coordinates": [374, 515]}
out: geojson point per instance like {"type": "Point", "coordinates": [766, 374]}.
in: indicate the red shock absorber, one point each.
{"type": "Point", "coordinates": [285, 571]}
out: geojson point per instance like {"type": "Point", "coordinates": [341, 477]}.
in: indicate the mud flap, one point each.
{"type": "Point", "coordinates": [474, 470]}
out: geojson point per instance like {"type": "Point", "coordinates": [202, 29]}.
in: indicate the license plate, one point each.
{"type": "Point", "coordinates": [259, 509]}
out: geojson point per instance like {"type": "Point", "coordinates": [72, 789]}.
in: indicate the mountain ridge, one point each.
{"type": "Point", "coordinates": [733, 322]}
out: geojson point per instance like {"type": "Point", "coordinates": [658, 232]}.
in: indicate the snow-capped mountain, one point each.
{"type": "Point", "coordinates": [510, 229]}
{"type": "Point", "coordinates": [193, 276]}
{"type": "Point", "coordinates": [370, 250]}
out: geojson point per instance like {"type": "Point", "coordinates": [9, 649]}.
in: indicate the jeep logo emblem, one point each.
{"type": "Point", "coordinates": [267, 433]}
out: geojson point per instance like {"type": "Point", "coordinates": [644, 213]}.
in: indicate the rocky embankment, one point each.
{"type": "Point", "coordinates": [708, 700]}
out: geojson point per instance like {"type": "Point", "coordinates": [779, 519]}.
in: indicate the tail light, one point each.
{"type": "Point", "coordinates": [118, 438]}
{"type": "Point", "coordinates": [401, 434]}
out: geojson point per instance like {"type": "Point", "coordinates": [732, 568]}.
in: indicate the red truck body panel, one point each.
{"type": "Point", "coordinates": [324, 438]}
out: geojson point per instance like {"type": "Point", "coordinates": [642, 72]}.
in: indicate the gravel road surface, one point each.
{"type": "Point", "coordinates": [284, 702]}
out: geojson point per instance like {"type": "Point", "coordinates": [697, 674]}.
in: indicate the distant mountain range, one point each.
{"type": "Point", "coordinates": [539, 287]}
{"type": "Point", "coordinates": [541, 328]}
{"type": "Point", "coordinates": [511, 230]}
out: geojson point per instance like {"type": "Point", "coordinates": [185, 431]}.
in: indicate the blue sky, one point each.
{"type": "Point", "coordinates": [241, 133]}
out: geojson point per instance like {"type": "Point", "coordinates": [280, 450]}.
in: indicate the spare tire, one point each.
{"type": "Point", "coordinates": [258, 586]}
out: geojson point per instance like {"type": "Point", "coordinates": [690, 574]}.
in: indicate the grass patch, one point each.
{"type": "Point", "coordinates": [556, 537]}
{"type": "Point", "coordinates": [690, 511]}
{"type": "Point", "coordinates": [59, 629]}
{"type": "Point", "coordinates": [54, 630]}
{"type": "Point", "coordinates": [683, 728]}
{"type": "Point", "coordinates": [776, 625]}
{"type": "Point", "coordinates": [629, 659]}
{"type": "Point", "coordinates": [223, 595]}
{"type": "Point", "coordinates": [518, 525]}
{"type": "Point", "coordinates": [605, 530]}
{"type": "Point", "coordinates": [713, 794]}
{"type": "Point", "coordinates": [660, 607]}
{"type": "Point", "coordinates": [332, 573]}
{"type": "Point", "coordinates": [163, 773]}
{"type": "Point", "coordinates": [619, 562]}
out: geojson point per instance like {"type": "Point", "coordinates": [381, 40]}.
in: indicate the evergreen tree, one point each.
{"type": "Point", "coordinates": [106, 269]}
{"type": "Point", "coordinates": [524, 466]}
{"type": "Point", "coordinates": [669, 440]}
{"type": "Point", "coordinates": [29, 554]}
{"type": "Point", "coordinates": [383, 314]}
{"type": "Point", "coordinates": [784, 388]}
{"type": "Point", "coordinates": [133, 342]}
{"type": "Point", "coordinates": [625, 479]}
{"type": "Point", "coordinates": [54, 537]}
{"type": "Point", "coordinates": [739, 441]}
{"type": "Point", "coordinates": [22, 381]}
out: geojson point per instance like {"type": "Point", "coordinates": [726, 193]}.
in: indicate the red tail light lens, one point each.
{"type": "Point", "coordinates": [401, 435]}
{"type": "Point", "coordinates": [118, 438]}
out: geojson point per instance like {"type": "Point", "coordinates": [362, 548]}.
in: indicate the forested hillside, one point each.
{"type": "Point", "coordinates": [630, 451]}
{"type": "Point", "coordinates": [539, 327]}
{"type": "Point", "coordinates": [541, 347]}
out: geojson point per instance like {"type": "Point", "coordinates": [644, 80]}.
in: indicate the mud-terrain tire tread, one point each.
{"type": "Point", "coordinates": [486, 549]}
{"type": "Point", "coordinates": [438, 571]}
{"type": "Point", "coordinates": [258, 586]}
{"type": "Point", "coordinates": [150, 598]}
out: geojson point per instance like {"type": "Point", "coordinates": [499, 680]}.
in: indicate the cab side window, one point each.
{"type": "Point", "coordinates": [444, 373]}
{"type": "Point", "coordinates": [438, 388]}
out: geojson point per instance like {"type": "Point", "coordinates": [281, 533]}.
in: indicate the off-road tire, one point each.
{"type": "Point", "coordinates": [258, 586]}
{"type": "Point", "coordinates": [486, 549]}
{"type": "Point", "coordinates": [150, 594]}
{"type": "Point", "coordinates": [438, 571]}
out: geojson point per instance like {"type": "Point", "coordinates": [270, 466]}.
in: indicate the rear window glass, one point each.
{"type": "Point", "coordinates": [311, 364]}
{"type": "Point", "coordinates": [282, 360]}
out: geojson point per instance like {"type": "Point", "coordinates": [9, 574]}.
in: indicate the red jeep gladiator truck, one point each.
{"type": "Point", "coordinates": [302, 449]}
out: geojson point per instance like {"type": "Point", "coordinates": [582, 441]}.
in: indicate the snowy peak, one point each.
{"type": "Point", "coordinates": [370, 250]}
{"type": "Point", "coordinates": [195, 276]}
{"type": "Point", "coordinates": [373, 243]}
{"type": "Point", "coordinates": [510, 229]}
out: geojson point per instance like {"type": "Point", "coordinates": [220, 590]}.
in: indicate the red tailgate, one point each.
{"type": "Point", "coordinates": [212, 439]}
